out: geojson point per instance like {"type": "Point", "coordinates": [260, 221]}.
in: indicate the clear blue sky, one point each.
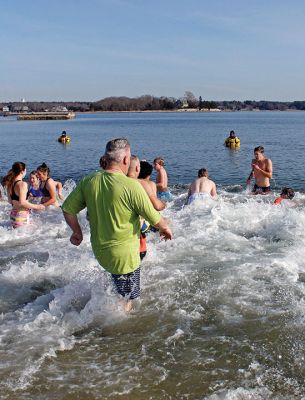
{"type": "Point", "coordinates": [88, 50]}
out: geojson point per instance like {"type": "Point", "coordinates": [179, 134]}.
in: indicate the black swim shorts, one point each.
{"type": "Point", "coordinates": [261, 189]}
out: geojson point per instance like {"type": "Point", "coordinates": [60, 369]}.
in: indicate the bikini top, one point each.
{"type": "Point", "coordinates": [44, 190]}
{"type": "Point", "coordinates": [14, 196]}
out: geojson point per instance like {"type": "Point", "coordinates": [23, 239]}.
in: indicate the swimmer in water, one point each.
{"type": "Point", "coordinates": [162, 180]}
{"type": "Point", "coordinates": [286, 194]}
{"type": "Point", "coordinates": [137, 169]}
{"type": "Point", "coordinates": [202, 188]}
{"type": "Point", "coordinates": [34, 189]}
{"type": "Point", "coordinates": [48, 186]}
{"type": "Point", "coordinates": [17, 191]}
{"type": "Point", "coordinates": [262, 172]}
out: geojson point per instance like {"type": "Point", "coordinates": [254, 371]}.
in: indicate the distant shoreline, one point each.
{"type": "Point", "coordinates": [186, 111]}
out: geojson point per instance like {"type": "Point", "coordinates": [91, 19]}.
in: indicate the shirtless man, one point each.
{"type": "Point", "coordinates": [262, 172]}
{"type": "Point", "coordinates": [161, 180]}
{"type": "Point", "coordinates": [149, 186]}
{"type": "Point", "coordinates": [202, 188]}
{"type": "Point", "coordinates": [142, 172]}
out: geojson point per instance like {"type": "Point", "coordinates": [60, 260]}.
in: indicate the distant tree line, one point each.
{"type": "Point", "coordinates": [153, 103]}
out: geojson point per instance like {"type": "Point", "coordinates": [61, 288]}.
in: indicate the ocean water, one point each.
{"type": "Point", "coordinates": [221, 314]}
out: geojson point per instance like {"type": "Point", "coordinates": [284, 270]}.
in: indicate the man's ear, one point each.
{"type": "Point", "coordinates": [125, 161]}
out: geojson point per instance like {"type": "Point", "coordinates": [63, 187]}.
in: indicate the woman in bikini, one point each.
{"type": "Point", "coordinates": [17, 192]}
{"type": "Point", "coordinates": [47, 186]}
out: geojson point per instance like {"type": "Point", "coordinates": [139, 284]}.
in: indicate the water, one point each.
{"type": "Point", "coordinates": [222, 308]}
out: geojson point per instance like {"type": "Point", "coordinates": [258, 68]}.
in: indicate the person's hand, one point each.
{"type": "Point", "coordinates": [256, 167]}
{"type": "Point", "coordinates": [76, 238]}
{"type": "Point", "coordinates": [166, 234]}
{"type": "Point", "coordinates": [40, 207]}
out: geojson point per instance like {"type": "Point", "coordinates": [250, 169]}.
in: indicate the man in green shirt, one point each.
{"type": "Point", "coordinates": [114, 203]}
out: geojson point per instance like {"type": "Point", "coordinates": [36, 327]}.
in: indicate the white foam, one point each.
{"type": "Point", "coordinates": [236, 257]}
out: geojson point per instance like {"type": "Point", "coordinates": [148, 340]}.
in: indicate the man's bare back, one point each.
{"type": "Point", "coordinates": [203, 185]}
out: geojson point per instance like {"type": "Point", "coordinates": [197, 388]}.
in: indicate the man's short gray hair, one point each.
{"type": "Point", "coordinates": [116, 149]}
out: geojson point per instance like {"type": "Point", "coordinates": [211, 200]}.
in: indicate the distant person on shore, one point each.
{"type": "Point", "coordinates": [232, 140]}
{"type": "Point", "coordinates": [161, 180]}
{"type": "Point", "coordinates": [115, 203]}
{"type": "Point", "coordinates": [202, 188]}
{"type": "Point", "coordinates": [286, 194]}
{"type": "Point", "coordinates": [262, 172]}
{"type": "Point", "coordinates": [17, 191]}
{"type": "Point", "coordinates": [48, 186]}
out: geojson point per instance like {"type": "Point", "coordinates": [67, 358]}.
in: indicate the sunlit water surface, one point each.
{"type": "Point", "coordinates": [221, 314]}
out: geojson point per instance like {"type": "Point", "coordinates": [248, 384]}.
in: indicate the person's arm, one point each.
{"type": "Point", "coordinates": [189, 192]}
{"type": "Point", "coordinates": [50, 185]}
{"type": "Point", "coordinates": [152, 194]}
{"type": "Point", "coordinates": [251, 174]}
{"type": "Point", "coordinates": [213, 191]}
{"type": "Point", "coordinates": [266, 172]}
{"type": "Point", "coordinates": [164, 229]}
{"type": "Point", "coordinates": [77, 235]}
{"type": "Point", "coordinates": [22, 187]}
{"type": "Point", "coordinates": [58, 186]}
{"type": "Point", "coordinates": [161, 183]}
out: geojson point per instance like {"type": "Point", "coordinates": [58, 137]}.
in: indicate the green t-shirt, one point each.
{"type": "Point", "coordinates": [114, 203]}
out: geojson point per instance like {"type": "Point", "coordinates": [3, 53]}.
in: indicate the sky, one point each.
{"type": "Point", "coordinates": [73, 50]}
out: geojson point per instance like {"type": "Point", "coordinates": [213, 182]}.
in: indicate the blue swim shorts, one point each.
{"type": "Point", "coordinates": [128, 285]}
{"type": "Point", "coordinates": [165, 196]}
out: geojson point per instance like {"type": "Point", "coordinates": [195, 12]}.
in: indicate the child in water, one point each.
{"type": "Point", "coordinates": [286, 194]}
{"type": "Point", "coordinates": [163, 193]}
{"type": "Point", "coordinates": [35, 190]}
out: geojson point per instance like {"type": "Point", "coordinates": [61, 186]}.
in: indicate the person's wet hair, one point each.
{"type": "Point", "coordinates": [16, 169]}
{"type": "Point", "coordinates": [288, 192]}
{"type": "Point", "coordinates": [34, 173]}
{"type": "Point", "coordinates": [259, 149]}
{"type": "Point", "coordinates": [146, 169]}
{"type": "Point", "coordinates": [43, 168]}
{"type": "Point", "coordinates": [232, 133]}
{"type": "Point", "coordinates": [203, 172]}
{"type": "Point", "coordinates": [160, 161]}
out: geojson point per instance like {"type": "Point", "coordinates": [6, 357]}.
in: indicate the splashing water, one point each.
{"type": "Point", "coordinates": [221, 314]}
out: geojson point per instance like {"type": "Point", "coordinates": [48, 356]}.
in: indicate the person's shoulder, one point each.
{"type": "Point", "coordinates": [21, 184]}
{"type": "Point", "coordinates": [89, 178]}
{"type": "Point", "coordinates": [132, 183]}
{"type": "Point", "coordinates": [152, 185]}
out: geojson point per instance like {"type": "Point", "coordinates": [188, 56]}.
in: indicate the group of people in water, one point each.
{"type": "Point", "coordinates": [41, 192]}
{"type": "Point", "coordinates": [122, 203]}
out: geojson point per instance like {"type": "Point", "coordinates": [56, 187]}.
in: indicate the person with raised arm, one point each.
{"type": "Point", "coordinates": [163, 192]}
{"type": "Point", "coordinates": [261, 171]}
